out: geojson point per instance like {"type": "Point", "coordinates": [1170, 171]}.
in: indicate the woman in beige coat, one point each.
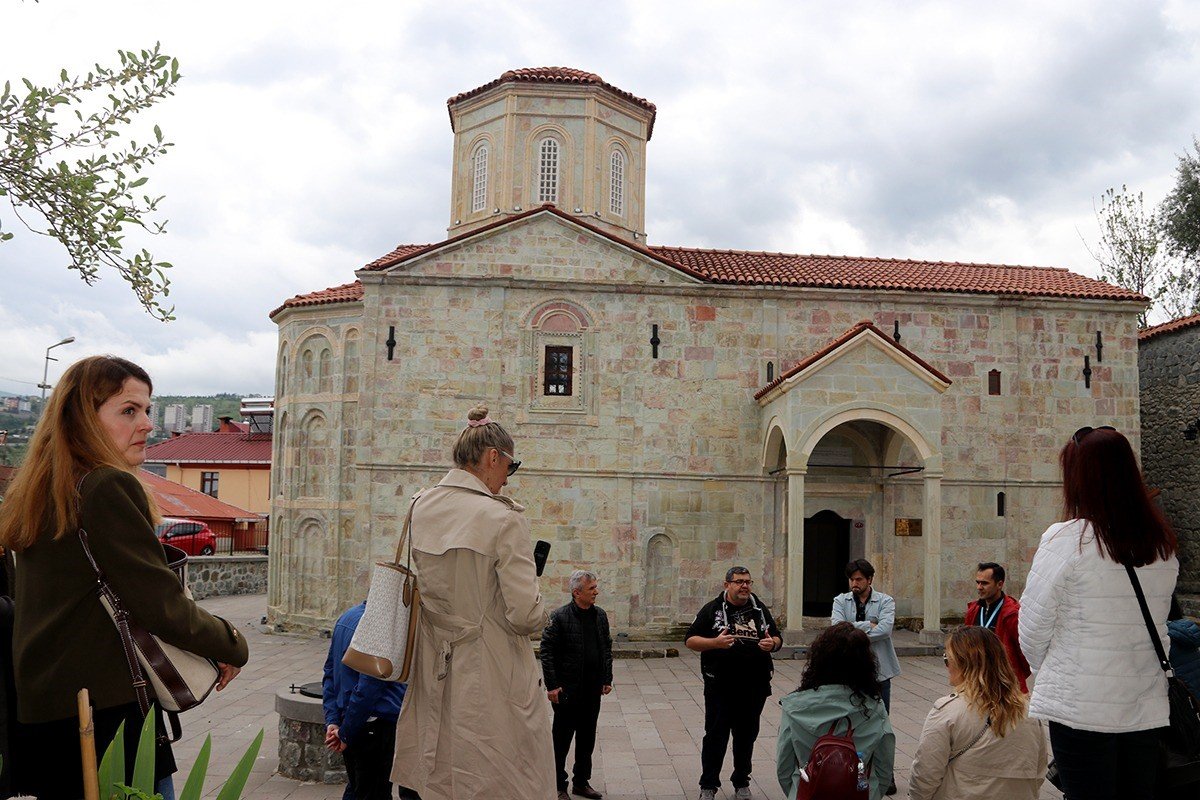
{"type": "Point", "coordinates": [475, 723]}
{"type": "Point", "coordinates": [980, 741]}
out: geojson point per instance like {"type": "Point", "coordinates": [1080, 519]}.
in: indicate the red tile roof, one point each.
{"type": "Point", "coordinates": [176, 500]}
{"type": "Point", "coordinates": [853, 332]}
{"type": "Point", "coordinates": [213, 448]}
{"type": "Point", "coordinates": [566, 75]}
{"type": "Point", "coordinates": [755, 268]}
{"type": "Point", "coordinates": [1169, 327]}
{"type": "Point", "coordinates": [849, 272]}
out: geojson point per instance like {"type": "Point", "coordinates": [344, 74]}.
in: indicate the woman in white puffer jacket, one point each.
{"type": "Point", "coordinates": [1098, 681]}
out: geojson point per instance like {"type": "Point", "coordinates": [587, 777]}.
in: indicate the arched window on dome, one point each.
{"type": "Point", "coordinates": [616, 183]}
{"type": "Point", "coordinates": [479, 178]}
{"type": "Point", "coordinates": [548, 171]}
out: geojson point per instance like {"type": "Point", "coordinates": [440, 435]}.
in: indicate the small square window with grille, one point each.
{"type": "Point", "coordinates": [557, 370]}
{"type": "Point", "coordinates": [208, 483]}
{"type": "Point", "coordinates": [548, 172]}
{"type": "Point", "coordinates": [994, 382]}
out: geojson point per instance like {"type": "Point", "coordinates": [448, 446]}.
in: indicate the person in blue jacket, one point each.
{"type": "Point", "coordinates": [1185, 647]}
{"type": "Point", "coordinates": [360, 718]}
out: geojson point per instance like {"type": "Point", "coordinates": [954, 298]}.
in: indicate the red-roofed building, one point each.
{"type": "Point", "coordinates": [232, 466]}
{"type": "Point", "coordinates": [236, 528]}
{"type": "Point", "coordinates": [681, 409]}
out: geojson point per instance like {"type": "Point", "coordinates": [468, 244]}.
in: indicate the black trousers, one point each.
{"type": "Point", "coordinates": [1104, 766]}
{"type": "Point", "coordinates": [729, 712]}
{"type": "Point", "coordinates": [576, 718]}
{"type": "Point", "coordinates": [369, 762]}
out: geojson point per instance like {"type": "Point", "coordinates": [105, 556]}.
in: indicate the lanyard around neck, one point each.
{"type": "Point", "coordinates": [991, 618]}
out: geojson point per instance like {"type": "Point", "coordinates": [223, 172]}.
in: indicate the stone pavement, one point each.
{"type": "Point", "coordinates": [648, 745]}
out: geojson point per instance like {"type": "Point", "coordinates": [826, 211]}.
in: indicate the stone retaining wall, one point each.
{"type": "Point", "coordinates": [217, 576]}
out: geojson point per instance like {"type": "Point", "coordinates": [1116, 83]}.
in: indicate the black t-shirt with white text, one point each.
{"type": "Point", "coordinates": [745, 662]}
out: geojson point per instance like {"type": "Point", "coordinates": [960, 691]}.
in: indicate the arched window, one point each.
{"type": "Point", "coordinates": [479, 178]}
{"type": "Point", "coordinates": [616, 183]}
{"type": "Point", "coordinates": [548, 171]}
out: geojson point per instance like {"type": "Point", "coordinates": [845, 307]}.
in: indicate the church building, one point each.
{"type": "Point", "coordinates": [680, 410]}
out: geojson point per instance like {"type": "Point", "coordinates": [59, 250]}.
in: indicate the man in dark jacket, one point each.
{"type": "Point", "coordinates": [996, 610]}
{"type": "Point", "coordinates": [576, 654]}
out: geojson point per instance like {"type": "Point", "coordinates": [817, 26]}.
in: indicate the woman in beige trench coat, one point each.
{"type": "Point", "coordinates": [979, 743]}
{"type": "Point", "coordinates": [474, 723]}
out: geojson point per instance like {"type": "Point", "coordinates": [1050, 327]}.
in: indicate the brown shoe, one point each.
{"type": "Point", "coordinates": [586, 791]}
{"type": "Point", "coordinates": [562, 795]}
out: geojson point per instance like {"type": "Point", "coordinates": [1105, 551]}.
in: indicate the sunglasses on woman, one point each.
{"type": "Point", "coordinates": [1080, 434]}
{"type": "Point", "coordinates": [513, 464]}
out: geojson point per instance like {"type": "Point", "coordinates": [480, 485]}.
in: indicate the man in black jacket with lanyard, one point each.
{"type": "Point", "coordinates": [576, 654]}
{"type": "Point", "coordinates": [735, 635]}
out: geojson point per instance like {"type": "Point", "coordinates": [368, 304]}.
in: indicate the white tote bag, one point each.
{"type": "Point", "coordinates": [384, 641]}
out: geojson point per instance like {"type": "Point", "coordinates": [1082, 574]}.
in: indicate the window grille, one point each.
{"type": "Point", "coordinates": [616, 184]}
{"type": "Point", "coordinates": [479, 168]}
{"type": "Point", "coordinates": [994, 382]}
{"type": "Point", "coordinates": [557, 370]}
{"type": "Point", "coordinates": [548, 172]}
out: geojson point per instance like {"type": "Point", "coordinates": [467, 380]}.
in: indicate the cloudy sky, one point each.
{"type": "Point", "coordinates": [309, 141]}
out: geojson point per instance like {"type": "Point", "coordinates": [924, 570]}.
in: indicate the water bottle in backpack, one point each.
{"type": "Point", "coordinates": [835, 769]}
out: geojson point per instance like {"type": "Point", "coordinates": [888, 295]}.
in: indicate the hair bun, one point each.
{"type": "Point", "coordinates": [477, 413]}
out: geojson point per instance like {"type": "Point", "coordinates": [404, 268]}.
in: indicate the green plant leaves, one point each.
{"type": "Point", "coordinates": [143, 764]}
{"type": "Point", "coordinates": [195, 782]}
{"type": "Point", "coordinates": [112, 766]}
{"type": "Point", "coordinates": [232, 790]}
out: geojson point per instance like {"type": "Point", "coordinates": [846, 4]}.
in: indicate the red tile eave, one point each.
{"type": "Point", "coordinates": [845, 338]}
{"type": "Point", "coordinates": [1169, 327]}
{"type": "Point", "coordinates": [344, 293]}
{"type": "Point", "coordinates": [555, 75]}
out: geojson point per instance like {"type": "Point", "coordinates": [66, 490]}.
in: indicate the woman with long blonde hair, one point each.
{"type": "Point", "coordinates": [80, 474]}
{"type": "Point", "coordinates": [979, 741]}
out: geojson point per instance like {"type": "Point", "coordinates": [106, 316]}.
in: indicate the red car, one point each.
{"type": "Point", "coordinates": [192, 537]}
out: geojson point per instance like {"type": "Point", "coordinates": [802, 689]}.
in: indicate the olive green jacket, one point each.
{"type": "Point", "coordinates": [63, 640]}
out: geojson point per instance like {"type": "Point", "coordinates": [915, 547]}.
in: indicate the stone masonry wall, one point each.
{"type": "Point", "coordinates": [1169, 366]}
{"type": "Point", "coordinates": [218, 576]}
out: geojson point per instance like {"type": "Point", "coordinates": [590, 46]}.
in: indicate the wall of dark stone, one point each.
{"type": "Point", "coordinates": [1169, 370]}
{"type": "Point", "coordinates": [218, 576]}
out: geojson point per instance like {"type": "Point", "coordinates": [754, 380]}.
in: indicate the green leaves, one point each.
{"type": "Point", "coordinates": [112, 769]}
{"type": "Point", "coordinates": [63, 155]}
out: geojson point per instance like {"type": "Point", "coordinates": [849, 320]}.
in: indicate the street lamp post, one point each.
{"type": "Point", "coordinates": [46, 369]}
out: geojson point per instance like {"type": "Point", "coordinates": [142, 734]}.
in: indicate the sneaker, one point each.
{"type": "Point", "coordinates": [708, 794]}
{"type": "Point", "coordinates": [742, 793]}
{"type": "Point", "coordinates": [891, 790]}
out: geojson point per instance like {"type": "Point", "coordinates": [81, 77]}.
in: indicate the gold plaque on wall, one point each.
{"type": "Point", "coordinates": [908, 527]}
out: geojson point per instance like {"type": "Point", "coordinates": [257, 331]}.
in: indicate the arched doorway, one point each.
{"type": "Point", "coordinates": [826, 551]}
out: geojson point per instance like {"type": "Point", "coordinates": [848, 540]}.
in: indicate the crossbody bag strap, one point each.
{"type": "Point", "coordinates": [1163, 661]}
{"type": "Point", "coordinates": [987, 723]}
{"type": "Point", "coordinates": [121, 619]}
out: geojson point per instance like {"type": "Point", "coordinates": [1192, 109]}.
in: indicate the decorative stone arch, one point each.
{"type": "Point", "coordinates": [351, 360]}
{"type": "Point", "coordinates": [660, 581]}
{"type": "Point", "coordinates": [543, 316]}
{"type": "Point", "coordinates": [563, 327]}
{"type": "Point", "coordinates": [775, 452]}
{"type": "Point", "coordinates": [281, 374]}
{"type": "Point", "coordinates": [905, 429]}
{"type": "Point", "coordinates": [316, 349]}
{"type": "Point", "coordinates": [319, 331]}
{"type": "Point", "coordinates": [314, 452]}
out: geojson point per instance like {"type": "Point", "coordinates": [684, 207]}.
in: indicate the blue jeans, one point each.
{"type": "Point", "coordinates": [885, 692]}
{"type": "Point", "coordinates": [166, 787]}
{"type": "Point", "coordinates": [1105, 766]}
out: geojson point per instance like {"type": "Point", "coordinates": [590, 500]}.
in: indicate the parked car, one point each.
{"type": "Point", "coordinates": [192, 537]}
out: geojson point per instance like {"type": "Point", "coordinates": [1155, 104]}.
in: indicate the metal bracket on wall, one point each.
{"type": "Point", "coordinates": [654, 341]}
{"type": "Point", "coordinates": [1099, 348]}
{"type": "Point", "coordinates": [1087, 372]}
{"type": "Point", "coordinates": [391, 341]}
{"type": "Point", "coordinates": [896, 330]}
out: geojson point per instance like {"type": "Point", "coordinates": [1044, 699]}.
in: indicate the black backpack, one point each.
{"type": "Point", "coordinates": [834, 770]}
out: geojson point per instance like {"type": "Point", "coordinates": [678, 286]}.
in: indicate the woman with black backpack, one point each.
{"type": "Point", "coordinates": [835, 739]}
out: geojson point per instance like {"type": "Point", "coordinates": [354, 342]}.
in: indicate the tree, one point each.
{"type": "Point", "coordinates": [1131, 252]}
{"type": "Point", "coordinates": [64, 158]}
{"type": "Point", "coordinates": [1180, 216]}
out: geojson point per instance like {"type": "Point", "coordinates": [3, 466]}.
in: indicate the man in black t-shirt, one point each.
{"type": "Point", "coordinates": [735, 635]}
